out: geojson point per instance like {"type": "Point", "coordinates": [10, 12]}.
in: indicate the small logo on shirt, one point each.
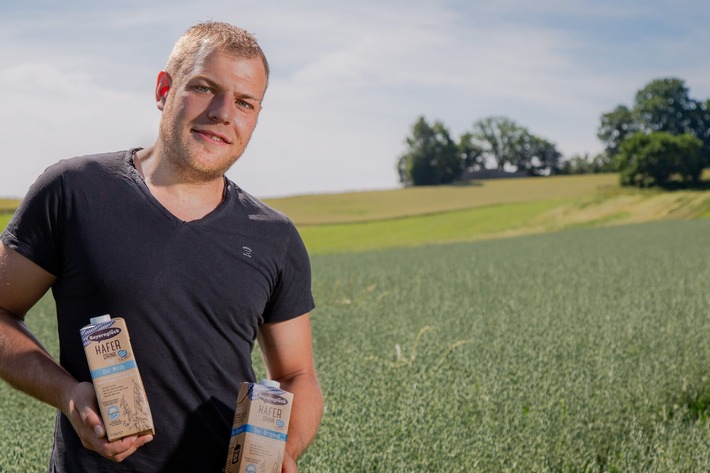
{"type": "Point", "coordinates": [246, 251]}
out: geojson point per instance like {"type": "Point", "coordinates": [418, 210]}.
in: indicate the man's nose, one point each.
{"type": "Point", "coordinates": [221, 109]}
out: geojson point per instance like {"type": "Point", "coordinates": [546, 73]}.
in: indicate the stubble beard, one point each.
{"type": "Point", "coordinates": [182, 153]}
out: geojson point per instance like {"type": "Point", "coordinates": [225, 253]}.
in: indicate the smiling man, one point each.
{"type": "Point", "coordinates": [198, 268]}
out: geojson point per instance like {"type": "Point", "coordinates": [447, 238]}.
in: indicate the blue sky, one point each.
{"type": "Point", "coordinates": [348, 78]}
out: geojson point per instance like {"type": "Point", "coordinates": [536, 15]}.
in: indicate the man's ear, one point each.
{"type": "Point", "coordinates": [162, 87]}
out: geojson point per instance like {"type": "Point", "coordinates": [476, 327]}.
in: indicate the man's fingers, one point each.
{"type": "Point", "coordinates": [121, 449]}
{"type": "Point", "coordinates": [84, 416]}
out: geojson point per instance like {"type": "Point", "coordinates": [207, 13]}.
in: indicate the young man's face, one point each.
{"type": "Point", "coordinates": [210, 113]}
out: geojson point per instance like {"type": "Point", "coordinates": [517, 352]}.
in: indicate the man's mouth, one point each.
{"type": "Point", "coordinates": [212, 137]}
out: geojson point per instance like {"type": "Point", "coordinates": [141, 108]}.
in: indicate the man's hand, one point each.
{"type": "Point", "coordinates": [82, 412]}
{"type": "Point", "coordinates": [28, 367]}
{"type": "Point", "coordinates": [289, 464]}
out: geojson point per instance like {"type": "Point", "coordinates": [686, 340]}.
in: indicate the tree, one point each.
{"type": "Point", "coordinates": [585, 164]}
{"type": "Point", "coordinates": [660, 159]}
{"type": "Point", "coordinates": [700, 124]}
{"type": "Point", "coordinates": [664, 105]}
{"type": "Point", "coordinates": [661, 105]}
{"type": "Point", "coordinates": [502, 142]}
{"type": "Point", "coordinates": [470, 152]}
{"type": "Point", "coordinates": [539, 157]}
{"type": "Point", "coordinates": [615, 127]}
{"type": "Point", "coordinates": [433, 158]}
{"type": "Point", "coordinates": [499, 139]}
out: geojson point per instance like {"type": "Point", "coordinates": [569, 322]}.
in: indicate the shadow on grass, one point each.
{"type": "Point", "coordinates": [698, 405]}
{"type": "Point", "coordinates": [693, 405]}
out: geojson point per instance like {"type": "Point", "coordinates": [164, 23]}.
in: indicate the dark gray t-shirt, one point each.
{"type": "Point", "coordinates": [193, 295]}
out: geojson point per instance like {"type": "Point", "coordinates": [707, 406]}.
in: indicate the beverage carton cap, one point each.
{"type": "Point", "coordinates": [100, 319]}
{"type": "Point", "coordinates": [270, 383]}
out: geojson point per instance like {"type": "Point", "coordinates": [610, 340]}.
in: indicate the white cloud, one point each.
{"type": "Point", "coordinates": [348, 80]}
{"type": "Point", "coordinates": [53, 114]}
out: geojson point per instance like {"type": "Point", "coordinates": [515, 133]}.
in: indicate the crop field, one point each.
{"type": "Point", "coordinates": [415, 201]}
{"type": "Point", "coordinates": [531, 214]}
{"type": "Point", "coordinates": [577, 351]}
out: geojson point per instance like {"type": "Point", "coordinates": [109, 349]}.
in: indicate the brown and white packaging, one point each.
{"type": "Point", "coordinates": [259, 429]}
{"type": "Point", "coordinates": [119, 389]}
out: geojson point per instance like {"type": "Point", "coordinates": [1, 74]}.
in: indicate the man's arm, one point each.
{"type": "Point", "coordinates": [26, 365]}
{"type": "Point", "coordinates": [288, 356]}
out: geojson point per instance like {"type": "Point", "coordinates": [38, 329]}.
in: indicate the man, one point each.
{"type": "Point", "coordinates": [197, 267]}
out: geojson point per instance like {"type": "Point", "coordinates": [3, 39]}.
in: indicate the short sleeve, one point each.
{"type": "Point", "coordinates": [292, 296]}
{"type": "Point", "coordinates": [35, 228]}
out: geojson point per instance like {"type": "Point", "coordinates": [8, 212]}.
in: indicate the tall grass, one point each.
{"type": "Point", "coordinates": [580, 351]}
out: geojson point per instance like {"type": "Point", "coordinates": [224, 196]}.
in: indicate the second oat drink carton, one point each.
{"type": "Point", "coordinates": [117, 381]}
{"type": "Point", "coordinates": [259, 429]}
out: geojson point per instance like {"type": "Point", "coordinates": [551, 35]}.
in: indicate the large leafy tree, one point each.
{"type": "Point", "coordinates": [502, 142]}
{"type": "Point", "coordinates": [664, 105]}
{"type": "Point", "coordinates": [432, 157]}
{"type": "Point", "coordinates": [660, 159]}
{"type": "Point", "coordinates": [500, 139]}
{"type": "Point", "coordinates": [661, 105]}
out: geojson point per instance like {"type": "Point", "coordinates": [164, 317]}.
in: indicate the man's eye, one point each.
{"type": "Point", "coordinates": [244, 104]}
{"type": "Point", "coordinates": [202, 89]}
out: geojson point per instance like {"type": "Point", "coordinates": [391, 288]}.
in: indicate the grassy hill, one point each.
{"type": "Point", "coordinates": [483, 210]}
{"type": "Point", "coordinates": [361, 221]}
{"type": "Point", "coordinates": [354, 207]}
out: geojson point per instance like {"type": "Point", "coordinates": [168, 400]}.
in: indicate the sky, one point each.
{"type": "Point", "coordinates": [348, 79]}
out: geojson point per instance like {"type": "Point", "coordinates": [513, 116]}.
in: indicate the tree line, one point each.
{"type": "Point", "coordinates": [663, 139]}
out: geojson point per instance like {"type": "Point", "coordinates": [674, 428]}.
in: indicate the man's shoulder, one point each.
{"type": "Point", "coordinates": [257, 210]}
{"type": "Point", "coordinates": [109, 159]}
{"type": "Point", "coordinates": [80, 171]}
{"type": "Point", "coordinates": [103, 162]}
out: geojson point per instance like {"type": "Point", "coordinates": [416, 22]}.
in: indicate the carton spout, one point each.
{"type": "Point", "coordinates": [270, 383]}
{"type": "Point", "coordinates": [100, 319]}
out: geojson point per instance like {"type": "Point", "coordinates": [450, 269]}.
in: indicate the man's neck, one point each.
{"type": "Point", "coordinates": [186, 200]}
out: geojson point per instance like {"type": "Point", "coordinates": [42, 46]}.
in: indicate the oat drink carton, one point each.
{"type": "Point", "coordinates": [119, 389]}
{"type": "Point", "coordinates": [259, 429]}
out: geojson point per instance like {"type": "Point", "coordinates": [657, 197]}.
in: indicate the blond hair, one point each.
{"type": "Point", "coordinates": [211, 36]}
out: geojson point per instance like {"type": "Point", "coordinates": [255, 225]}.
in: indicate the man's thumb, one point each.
{"type": "Point", "coordinates": [99, 430]}
{"type": "Point", "coordinates": [92, 421]}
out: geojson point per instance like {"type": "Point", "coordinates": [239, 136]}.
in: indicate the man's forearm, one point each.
{"type": "Point", "coordinates": [306, 412]}
{"type": "Point", "coordinates": [27, 366]}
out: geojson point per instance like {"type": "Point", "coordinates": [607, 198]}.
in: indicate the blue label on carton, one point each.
{"type": "Point", "coordinates": [252, 429]}
{"type": "Point", "coordinates": [127, 365]}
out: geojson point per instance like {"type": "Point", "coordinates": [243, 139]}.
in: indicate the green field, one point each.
{"type": "Point", "coordinates": [362, 221]}
{"type": "Point", "coordinates": [582, 350]}
{"type": "Point", "coordinates": [575, 351]}
{"type": "Point", "coordinates": [416, 201]}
